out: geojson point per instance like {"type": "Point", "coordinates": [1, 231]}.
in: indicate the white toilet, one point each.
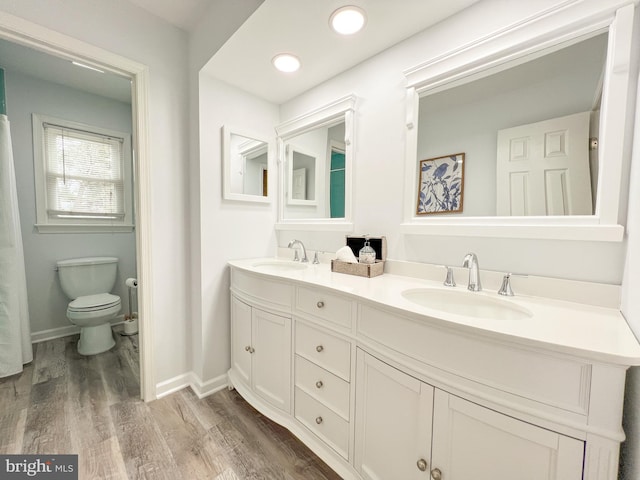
{"type": "Point", "coordinates": [88, 281]}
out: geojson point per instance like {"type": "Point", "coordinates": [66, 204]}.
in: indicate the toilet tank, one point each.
{"type": "Point", "coordinates": [87, 276]}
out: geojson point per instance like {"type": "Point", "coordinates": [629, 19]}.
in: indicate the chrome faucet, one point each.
{"type": "Point", "coordinates": [471, 262]}
{"type": "Point", "coordinates": [292, 244]}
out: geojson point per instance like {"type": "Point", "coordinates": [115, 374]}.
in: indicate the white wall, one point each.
{"type": "Point", "coordinates": [379, 84]}
{"type": "Point", "coordinates": [221, 20]}
{"type": "Point", "coordinates": [27, 95]}
{"type": "Point", "coordinates": [228, 229]}
{"type": "Point", "coordinates": [124, 29]}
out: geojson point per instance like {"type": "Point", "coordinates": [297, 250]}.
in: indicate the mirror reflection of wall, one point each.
{"type": "Point", "coordinates": [468, 118]}
{"type": "Point", "coordinates": [249, 165]}
{"type": "Point", "coordinates": [316, 170]}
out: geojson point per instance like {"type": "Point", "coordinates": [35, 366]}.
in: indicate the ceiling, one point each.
{"type": "Point", "coordinates": [17, 58]}
{"type": "Point", "coordinates": [296, 26]}
{"type": "Point", "coordinates": [181, 13]}
{"type": "Point", "coordinates": [302, 27]}
{"type": "Point", "coordinates": [34, 63]}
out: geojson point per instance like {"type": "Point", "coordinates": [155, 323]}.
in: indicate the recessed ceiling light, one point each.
{"type": "Point", "coordinates": [348, 20]}
{"type": "Point", "coordinates": [285, 62]}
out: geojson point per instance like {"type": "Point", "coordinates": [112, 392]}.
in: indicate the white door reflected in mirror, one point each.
{"type": "Point", "coordinates": [246, 166]}
{"type": "Point", "coordinates": [302, 176]}
{"type": "Point", "coordinates": [543, 168]}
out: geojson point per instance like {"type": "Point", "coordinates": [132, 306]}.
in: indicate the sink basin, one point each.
{"type": "Point", "coordinates": [279, 266]}
{"type": "Point", "coordinates": [462, 302]}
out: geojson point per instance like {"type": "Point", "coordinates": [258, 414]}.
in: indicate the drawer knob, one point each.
{"type": "Point", "coordinates": [319, 384]}
{"type": "Point", "coordinates": [436, 474]}
{"type": "Point", "coordinates": [318, 420]}
{"type": "Point", "coordinates": [320, 304]}
{"type": "Point", "coordinates": [422, 465]}
{"type": "Point", "coordinates": [319, 348]}
{"type": "Point", "coordinates": [247, 348]}
{"type": "Point", "coordinates": [251, 350]}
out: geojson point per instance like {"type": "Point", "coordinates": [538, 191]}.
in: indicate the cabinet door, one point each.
{"type": "Point", "coordinates": [393, 422]}
{"type": "Point", "coordinates": [271, 367]}
{"type": "Point", "coordinates": [471, 442]}
{"type": "Point", "coordinates": [241, 339]}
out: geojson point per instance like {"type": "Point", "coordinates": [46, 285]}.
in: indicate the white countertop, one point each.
{"type": "Point", "coordinates": [597, 333]}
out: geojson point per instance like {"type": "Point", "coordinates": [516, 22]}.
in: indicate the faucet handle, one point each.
{"type": "Point", "coordinates": [449, 281]}
{"type": "Point", "coordinates": [315, 259]}
{"type": "Point", "coordinates": [296, 258]}
{"type": "Point", "coordinates": [505, 288]}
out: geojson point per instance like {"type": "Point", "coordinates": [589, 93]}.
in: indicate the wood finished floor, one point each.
{"type": "Point", "coordinates": [66, 403]}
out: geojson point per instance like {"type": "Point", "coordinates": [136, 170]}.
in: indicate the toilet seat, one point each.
{"type": "Point", "coordinates": [93, 303]}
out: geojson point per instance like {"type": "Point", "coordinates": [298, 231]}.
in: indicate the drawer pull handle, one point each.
{"type": "Point", "coordinates": [422, 465]}
{"type": "Point", "coordinates": [318, 420]}
{"type": "Point", "coordinates": [436, 474]}
{"type": "Point", "coordinates": [319, 348]}
{"type": "Point", "coordinates": [319, 384]}
{"type": "Point", "coordinates": [320, 304]}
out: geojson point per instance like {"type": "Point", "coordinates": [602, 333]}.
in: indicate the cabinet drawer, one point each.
{"type": "Point", "coordinates": [551, 379]}
{"type": "Point", "coordinates": [324, 349]}
{"type": "Point", "coordinates": [326, 424]}
{"type": "Point", "coordinates": [323, 386]}
{"type": "Point", "coordinates": [331, 308]}
{"type": "Point", "coordinates": [269, 292]}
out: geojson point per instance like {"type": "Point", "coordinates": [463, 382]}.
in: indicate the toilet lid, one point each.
{"type": "Point", "coordinates": [93, 302]}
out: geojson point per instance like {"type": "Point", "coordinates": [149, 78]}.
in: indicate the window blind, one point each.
{"type": "Point", "coordinates": [84, 173]}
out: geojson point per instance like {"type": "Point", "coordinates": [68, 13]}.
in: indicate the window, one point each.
{"type": "Point", "coordinates": [83, 177]}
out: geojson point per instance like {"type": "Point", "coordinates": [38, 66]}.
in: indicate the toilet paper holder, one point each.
{"type": "Point", "coordinates": [131, 321]}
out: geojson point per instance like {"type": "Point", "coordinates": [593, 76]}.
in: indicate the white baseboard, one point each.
{"type": "Point", "coordinates": [210, 386]}
{"type": "Point", "coordinates": [44, 335]}
{"type": "Point", "coordinates": [174, 384]}
{"type": "Point", "coordinates": [190, 379]}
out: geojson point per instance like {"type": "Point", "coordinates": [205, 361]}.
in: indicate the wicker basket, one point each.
{"type": "Point", "coordinates": [369, 270]}
{"type": "Point", "coordinates": [359, 269]}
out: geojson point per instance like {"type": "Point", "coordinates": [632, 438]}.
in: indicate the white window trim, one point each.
{"type": "Point", "coordinates": [46, 224]}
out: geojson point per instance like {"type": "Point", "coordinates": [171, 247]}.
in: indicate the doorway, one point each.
{"type": "Point", "coordinates": [66, 50]}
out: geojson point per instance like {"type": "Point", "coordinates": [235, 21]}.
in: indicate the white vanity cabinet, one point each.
{"type": "Point", "coordinates": [408, 429]}
{"type": "Point", "coordinates": [261, 348]}
{"type": "Point", "coordinates": [261, 352]}
{"type": "Point", "coordinates": [381, 390]}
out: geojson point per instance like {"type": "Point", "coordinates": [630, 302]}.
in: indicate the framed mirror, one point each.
{"type": "Point", "coordinates": [540, 113]}
{"type": "Point", "coordinates": [245, 160]}
{"type": "Point", "coordinates": [316, 168]}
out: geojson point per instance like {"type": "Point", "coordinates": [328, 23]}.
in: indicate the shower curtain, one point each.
{"type": "Point", "coordinates": [15, 334]}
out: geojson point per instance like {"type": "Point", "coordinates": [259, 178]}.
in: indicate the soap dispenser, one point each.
{"type": "Point", "coordinates": [367, 254]}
